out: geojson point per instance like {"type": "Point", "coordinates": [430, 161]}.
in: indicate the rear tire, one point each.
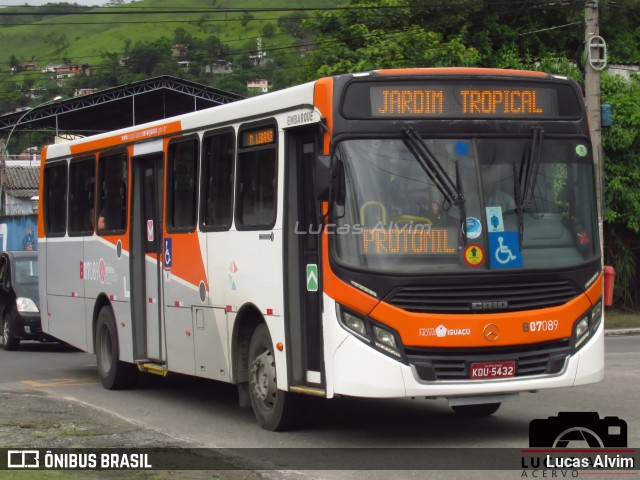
{"type": "Point", "coordinates": [114, 374]}
{"type": "Point", "coordinates": [9, 340]}
{"type": "Point", "coordinates": [480, 410]}
{"type": "Point", "coordinates": [275, 410]}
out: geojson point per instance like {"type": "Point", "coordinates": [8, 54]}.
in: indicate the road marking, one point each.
{"type": "Point", "coordinates": [61, 382]}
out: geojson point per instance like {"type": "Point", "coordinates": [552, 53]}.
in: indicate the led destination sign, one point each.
{"type": "Point", "coordinates": [258, 137]}
{"type": "Point", "coordinates": [482, 99]}
{"type": "Point", "coordinates": [416, 241]}
{"type": "Point", "coordinates": [461, 101]}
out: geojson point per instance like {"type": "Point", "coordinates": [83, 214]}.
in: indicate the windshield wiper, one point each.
{"type": "Point", "coordinates": [451, 190]}
{"type": "Point", "coordinates": [529, 169]}
{"type": "Point", "coordinates": [518, 192]}
{"type": "Point", "coordinates": [433, 167]}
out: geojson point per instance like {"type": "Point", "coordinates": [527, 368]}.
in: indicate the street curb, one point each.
{"type": "Point", "coordinates": [622, 331]}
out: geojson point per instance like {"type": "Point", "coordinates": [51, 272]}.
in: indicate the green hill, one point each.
{"type": "Point", "coordinates": [84, 35]}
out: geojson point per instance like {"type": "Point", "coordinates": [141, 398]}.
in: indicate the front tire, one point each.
{"type": "Point", "coordinates": [480, 410]}
{"type": "Point", "coordinates": [114, 374]}
{"type": "Point", "coordinates": [275, 410]}
{"type": "Point", "coordinates": [9, 340]}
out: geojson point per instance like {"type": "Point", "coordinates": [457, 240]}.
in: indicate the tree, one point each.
{"type": "Point", "coordinates": [245, 18]}
{"type": "Point", "coordinates": [621, 143]}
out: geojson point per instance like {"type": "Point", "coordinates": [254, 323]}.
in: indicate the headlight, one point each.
{"type": "Point", "coordinates": [25, 304]}
{"type": "Point", "coordinates": [596, 316]}
{"type": "Point", "coordinates": [355, 324]}
{"type": "Point", "coordinates": [581, 331]}
{"type": "Point", "coordinates": [385, 340]}
{"type": "Point", "coordinates": [365, 329]}
{"type": "Point", "coordinates": [587, 325]}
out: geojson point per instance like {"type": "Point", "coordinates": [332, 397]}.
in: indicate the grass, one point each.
{"type": "Point", "coordinates": [615, 318]}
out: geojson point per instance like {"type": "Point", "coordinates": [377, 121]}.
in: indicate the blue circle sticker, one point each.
{"type": "Point", "coordinates": [474, 227]}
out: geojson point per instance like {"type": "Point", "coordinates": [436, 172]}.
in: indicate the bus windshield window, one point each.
{"type": "Point", "coordinates": [396, 218]}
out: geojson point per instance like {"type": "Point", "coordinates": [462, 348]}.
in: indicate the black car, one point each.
{"type": "Point", "coordinates": [19, 303]}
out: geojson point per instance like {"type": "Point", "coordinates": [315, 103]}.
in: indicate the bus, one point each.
{"type": "Point", "coordinates": [387, 234]}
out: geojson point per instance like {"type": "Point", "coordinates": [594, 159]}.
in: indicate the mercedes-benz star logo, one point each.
{"type": "Point", "coordinates": [491, 332]}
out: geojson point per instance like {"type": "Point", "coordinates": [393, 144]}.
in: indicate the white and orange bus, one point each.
{"type": "Point", "coordinates": [396, 233]}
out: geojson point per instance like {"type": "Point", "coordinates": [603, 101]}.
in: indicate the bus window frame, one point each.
{"type": "Point", "coordinates": [82, 233]}
{"type": "Point", "coordinates": [119, 231]}
{"type": "Point", "coordinates": [51, 165]}
{"type": "Point", "coordinates": [168, 211]}
{"type": "Point", "coordinates": [264, 123]}
{"type": "Point", "coordinates": [203, 179]}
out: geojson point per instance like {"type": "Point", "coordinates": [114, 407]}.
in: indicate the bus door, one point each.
{"type": "Point", "coordinates": [146, 261]}
{"type": "Point", "coordinates": [302, 262]}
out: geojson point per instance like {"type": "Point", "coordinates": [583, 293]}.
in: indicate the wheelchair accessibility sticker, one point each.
{"type": "Point", "coordinates": [504, 250]}
{"type": "Point", "coordinates": [168, 252]}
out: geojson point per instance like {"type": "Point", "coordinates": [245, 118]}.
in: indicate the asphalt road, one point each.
{"type": "Point", "coordinates": [205, 413]}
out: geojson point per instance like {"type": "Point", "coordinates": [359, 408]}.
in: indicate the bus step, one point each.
{"type": "Point", "coordinates": [153, 368]}
{"type": "Point", "coordinates": [318, 392]}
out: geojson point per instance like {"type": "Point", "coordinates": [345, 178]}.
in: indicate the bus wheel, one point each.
{"type": "Point", "coordinates": [274, 409]}
{"type": "Point", "coordinates": [9, 340]}
{"type": "Point", "coordinates": [480, 410]}
{"type": "Point", "coordinates": [113, 373]}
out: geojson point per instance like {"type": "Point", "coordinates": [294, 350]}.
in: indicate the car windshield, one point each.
{"type": "Point", "coordinates": [528, 203]}
{"type": "Point", "coordinates": [26, 271]}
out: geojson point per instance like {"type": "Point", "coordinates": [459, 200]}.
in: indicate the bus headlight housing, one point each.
{"type": "Point", "coordinates": [587, 325]}
{"type": "Point", "coordinates": [386, 340]}
{"type": "Point", "coordinates": [355, 324]}
{"type": "Point", "coordinates": [380, 337]}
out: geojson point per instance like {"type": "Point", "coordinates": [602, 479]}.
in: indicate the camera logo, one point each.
{"type": "Point", "coordinates": [578, 430]}
{"type": "Point", "coordinates": [23, 459]}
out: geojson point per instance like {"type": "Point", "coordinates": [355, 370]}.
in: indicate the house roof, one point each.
{"type": "Point", "coordinates": [22, 181]}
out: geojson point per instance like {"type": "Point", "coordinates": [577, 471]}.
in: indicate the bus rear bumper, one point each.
{"type": "Point", "coordinates": [365, 372]}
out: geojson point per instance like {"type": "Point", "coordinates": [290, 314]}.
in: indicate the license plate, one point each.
{"type": "Point", "coordinates": [493, 370]}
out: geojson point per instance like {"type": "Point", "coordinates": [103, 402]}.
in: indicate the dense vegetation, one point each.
{"type": "Point", "coordinates": [366, 34]}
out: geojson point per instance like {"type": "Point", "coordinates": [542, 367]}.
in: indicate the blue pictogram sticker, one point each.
{"type": "Point", "coordinates": [504, 250]}
{"type": "Point", "coordinates": [495, 222]}
{"type": "Point", "coordinates": [168, 252]}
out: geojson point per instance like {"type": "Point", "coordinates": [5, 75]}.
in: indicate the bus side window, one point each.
{"type": "Point", "coordinates": [256, 181]}
{"type": "Point", "coordinates": [82, 174]}
{"type": "Point", "coordinates": [55, 201]}
{"type": "Point", "coordinates": [217, 181]}
{"type": "Point", "coordinates": [182, 187]}
{"type": "Point", "coordinates": [112, 193]}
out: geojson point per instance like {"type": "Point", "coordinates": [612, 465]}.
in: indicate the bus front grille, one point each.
{"type": "Point", "coordinates": [434, 364]}
{"type": "Point", "coordinates": [482, 297]}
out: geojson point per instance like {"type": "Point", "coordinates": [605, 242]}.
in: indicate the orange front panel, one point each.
{"type": "Point", "coordinates": [469, 330]}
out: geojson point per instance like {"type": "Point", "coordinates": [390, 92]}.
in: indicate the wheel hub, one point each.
{"type": "Point", "coordinates": [263, 377]}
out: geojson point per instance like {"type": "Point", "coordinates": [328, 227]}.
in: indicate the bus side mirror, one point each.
{"type": "Point", "coordinates": [323, 177]}
{"type": "Point", "coordinates": [338, 183]}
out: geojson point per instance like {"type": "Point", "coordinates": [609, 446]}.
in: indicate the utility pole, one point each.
{"type": "Point", "coordinates": [595, 62]}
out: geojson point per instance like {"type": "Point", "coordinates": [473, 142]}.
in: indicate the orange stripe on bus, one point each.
{"type": "Point", "coordinates": [130, 136]}
{"type": "Point", "coordinates": [341, 291]}
{"type": "Point", "coordinates": [460, 71]}
{"type": "Point", "coordinates": [40, 192]}
{"type": "Point", "coordinates": [187, 262]}
{"type": "Point", "coordinates": [323, 100]}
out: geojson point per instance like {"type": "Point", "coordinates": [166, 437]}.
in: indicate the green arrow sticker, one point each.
{"type": "Point", "coordinates": [312, 277]}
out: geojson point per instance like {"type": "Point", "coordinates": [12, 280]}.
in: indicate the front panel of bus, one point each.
{"type": "Point", "coordinates": [462, 251]}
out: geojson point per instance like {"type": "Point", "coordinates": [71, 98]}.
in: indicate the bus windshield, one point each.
{"type": "Point", "coordinates": [397, 218]}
